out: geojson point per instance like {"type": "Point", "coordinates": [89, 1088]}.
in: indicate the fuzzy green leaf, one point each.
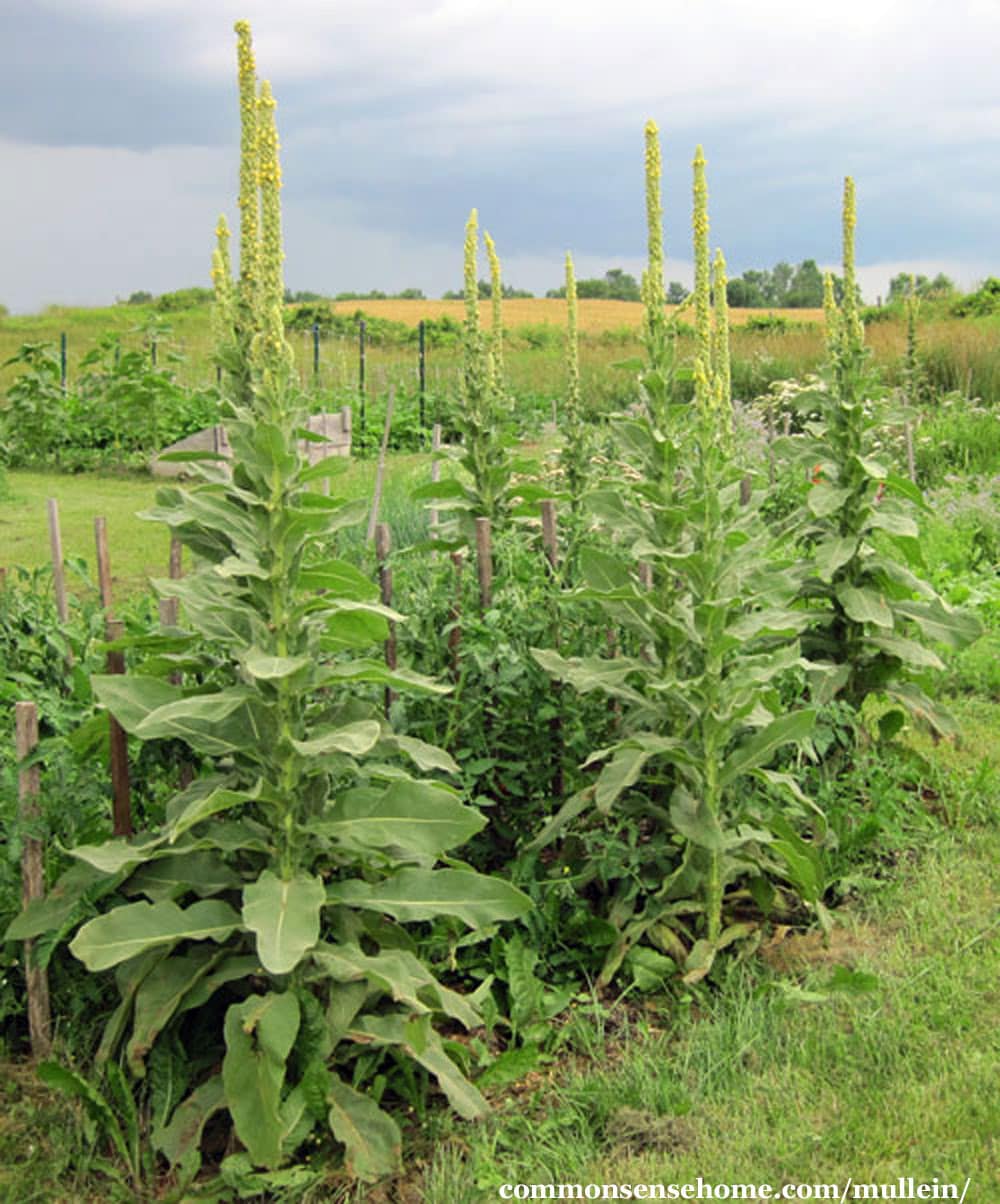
{"type": "Point", "coordinates": [284, 915]}
{"type": "Point", "coordinates": [126, 931]}
{"type": "Point", "coordinates": [415, 894]}
{"type": "Point", "coordinates": [864, 606]}
{"type": "Point", "coordinates": [371, 1139]}
{"type": "Point", "coordinates": [260, 1033]}
{"type": "Point", "coordinates": [761, 747]}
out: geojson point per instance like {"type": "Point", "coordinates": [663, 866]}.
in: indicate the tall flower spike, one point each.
{"type": "Point", "coordinates": [702, 282]}
{"type": "Point", "coordinates": [273, 349]}
{"type": "Point", "coordinates": [249, 200]}
{"type": "Point", "coordinates": [496, 295]}
{"type": "Point", "coordinates": [471, 273]}
{"type": "Point", "coordinates": [653, 294]}
{"type": "Point", "coordinates": [720, 337]}
{"type": "Point", "coordinates": [832, 316]}
{"type": "Point", "coordinates": [223, 316]}
{"type": "Point", "coordinates": [853, 330]}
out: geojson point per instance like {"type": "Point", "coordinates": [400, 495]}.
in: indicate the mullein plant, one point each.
{"type": "Point", "coordinates": [259, 939]}
{"type": "Point", "coordinates": [713, 629]}
{"type": "Point", "coordinates": [487, 485]}
{"type": "Point", "coordinates": [874, 620]}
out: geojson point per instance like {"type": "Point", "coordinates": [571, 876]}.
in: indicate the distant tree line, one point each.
{"type": "Point", "coordinates": [782, 287]}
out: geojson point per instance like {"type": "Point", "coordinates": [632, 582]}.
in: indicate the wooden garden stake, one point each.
{"type": "Point", "coordinates": [380, 471]}
{"type": "Point", "coordinates": [114, 629]}
{"type": "Point", "coordinates": [484, 562]}
{"type": "Point", "coordinates": [58, 570]}
{"type": "Point", "coordinates": [383, 545]}
{"type": "Point", "coordinates": [103, 562]}
{"type": "Point", "coordinates": [32, 878]}
{"type": "Point", "coordinates": [170, 607]}
{"type": "Point", "coordinates": [746, 489]}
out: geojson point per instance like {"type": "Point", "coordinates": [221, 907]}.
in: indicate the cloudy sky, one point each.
{"type": "Point", "coordinates": [118, 129]}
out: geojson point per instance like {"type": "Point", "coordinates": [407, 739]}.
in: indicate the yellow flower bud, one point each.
{"type": "Point", "coordinates": [702, 282]}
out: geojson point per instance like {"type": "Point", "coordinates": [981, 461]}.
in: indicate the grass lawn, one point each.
{"type": "Point", "coordinates": [872, 1057]}
{"type": "Point", "coordinates": [140, 549]}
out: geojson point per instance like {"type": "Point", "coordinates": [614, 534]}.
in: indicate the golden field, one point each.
{"type": "Point", "coordinates": [595, 317]}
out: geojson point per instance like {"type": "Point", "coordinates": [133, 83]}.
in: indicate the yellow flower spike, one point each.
{"type": "Point", "coordinates": [223, 315]}
{"type": "Point", "coordinates": [471, 273]}
{"type": "Point", "coordinates": [496, 295]}
{"type": "Point", "coordinates": [853, 330]}
{"type": "Point", "coordinates": [720, 335]}
{"type": "Point", "coordinates": [572, 340]}
{"type": "Point", "coordinates": [702, 281]}
{"type": "Point", "coordinates": [249, 200]}
{"type": "Point", "coordinates": [272, 347]}
{"type": "Point", "coordinates": [653, 293]}
{"type": "Point", "coordinates": [831, 314]}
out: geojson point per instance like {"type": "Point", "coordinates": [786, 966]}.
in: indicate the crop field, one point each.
{"type": "Point", "coordinates": [592, 780]}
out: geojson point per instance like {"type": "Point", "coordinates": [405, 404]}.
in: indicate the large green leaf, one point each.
{"type": "Point", "coordinates": [864, 606]}
{"type": "Point", "coordinates": [823, 500]}
{"type": "Point", "coordinates": [203, 872]}
{"type": "Point", "coordinates": [695, 821]}
{"type": "Point", "coordinates": [342, 579]}
{"type": "Point", "coordinates": [761, 747]}
{"type": "Point", "coordinates": [131, 698]}
{"type": "Point", "coordinates": [126, 931]}
{"type": "Point", "coordinates": [284, 915]}
{"type": "Point", "coordinates": [371, 1139]}
{"type": "Point", "coordinates": [217, 724]}
{"type": "Point", "coordinates": [908, 651]}
{"type": "Point", "coordinates": [179, 1141]}
{"type": "Point", "coordinates": [399, 974]}
{"type": "Point", "coordinates": [376, 672]}
{"type": "Point", "coordinates": [427, 757]}
{"type": "Point", "coordinates": [119, 854]}
{"type": "Point", "coordinates": [266, 667]}
{"type": "Point", "coordinates": [938, 622]}
{"type": "Point", "coordinates": [427, 1050]}
{"type": "Point", "coordinates": [415, 894]}
{"type": "Point", "coordinates": [417, 816]}
{"type": "Point", "coordinates": [160, 995]}
{"type": "Point", "coordinates": [204, 805]}
{"type": "Point", "coordinates": [260, 1033]}
{"type": "Point", "coordinates": [354, 739]}
{"type": "Point", "coordinates": [833, 553]}
{"type": "Point", "coordinates": [51, 912]}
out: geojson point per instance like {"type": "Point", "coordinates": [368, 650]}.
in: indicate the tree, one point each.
{"type": "Point", "coordinates": [677, 294]}
{"type": "Point", "coordinates": [806, 288]}
{"type": "Point", "coordinates": [742, 293]}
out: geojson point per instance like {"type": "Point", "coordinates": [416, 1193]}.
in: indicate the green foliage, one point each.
{"type": "Point", "coordinates": [615, 285]}
{"type": "Point", "coordinates": [873, 616]}
{"type": "Point", "coordinates": [182, 298]}
{"type": "Point", "coordinates": [984, 301]}
{"type": "Point", "coordinates": [121, 409]}
{"type": "Point", "coordinates": [940, 287]}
